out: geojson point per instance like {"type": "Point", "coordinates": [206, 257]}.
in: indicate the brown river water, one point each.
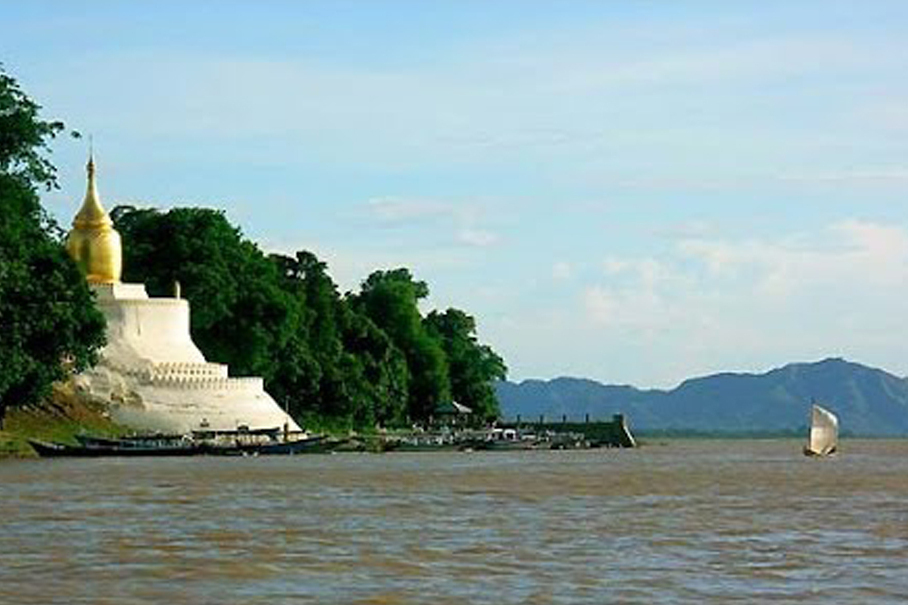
{"type": "Point", "coordinates": [672, 522]}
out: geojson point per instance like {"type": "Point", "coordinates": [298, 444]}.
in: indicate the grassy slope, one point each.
{"type": "Point", "coordinates": [62, 416]}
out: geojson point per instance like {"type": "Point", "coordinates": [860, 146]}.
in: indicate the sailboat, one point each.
{"type": "Point", "coordinates": [824, 432]}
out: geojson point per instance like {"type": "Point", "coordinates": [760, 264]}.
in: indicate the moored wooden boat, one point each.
{"type": "Point", "coordinates": [163, 446]}
{"type": "Point", "coordinates": [308, 445]}
{"type": "Point", "coordinates": [62, 450]}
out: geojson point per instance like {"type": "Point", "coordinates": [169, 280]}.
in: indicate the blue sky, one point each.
{"type": "Point", "coordinates": [634, 192]}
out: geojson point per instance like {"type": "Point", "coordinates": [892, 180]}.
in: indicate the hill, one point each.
{"type": "Point", "coordinates": [868, 401]}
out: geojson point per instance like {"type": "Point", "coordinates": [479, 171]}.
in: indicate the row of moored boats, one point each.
{"type": "Point", "coordinates": [822, 441]}
{"type": "Point", "coordinates": [241, 442]}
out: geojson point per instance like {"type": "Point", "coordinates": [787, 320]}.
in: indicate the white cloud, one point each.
{"type": "Point", "coordinates": [613, 265]}
{"type": "Point", "coordinates": [562, 271]}
{"type": "Point", "coordinates": [643, 310]}
{"type": "Point", "coordinates": [852, 252]}
{"type": "Point", "coordinates": [693, 228]}
{"type": "Point", "coordinates": [477, 237]}
{"type": "Point", "coordinates": [647, 272]}
{"type": "Point", "coordinates": [463, 221]}
{"type": "Point", "coordinates": [639, 296]}
{"type": "Point", "coordinates": [716, 304]}
{"type": "Point", "coordinates": [880, 175]}
{"type": "Point", "coordinates": [727, 259]}
{"type": "Point", "coordinates": [390, 209]}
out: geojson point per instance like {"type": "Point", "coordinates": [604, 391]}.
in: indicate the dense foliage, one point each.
{"type": "Point", "coordinates": [390, 299]}
{"type": "Point", "coordinates": [364, 359]}
{"type": "Point", "coordinates": [48, 323]}
{"type": "Point", "coordinates": [472, 366]}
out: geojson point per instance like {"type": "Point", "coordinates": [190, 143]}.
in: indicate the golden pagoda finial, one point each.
{"type": "Point", "coordinates": [93, 242]}
{"type": "Point", "coordinates": [92, 213]}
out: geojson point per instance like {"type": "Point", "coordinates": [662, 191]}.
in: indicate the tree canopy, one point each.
{"type": "Point", "coordinates": [472, 366]}
{"type": "Point", "coordinates": [390, 299]}
{"type": "Point", "coordinates": [48, 323]}
{"type": "Point", "coordinates": [356, 360]}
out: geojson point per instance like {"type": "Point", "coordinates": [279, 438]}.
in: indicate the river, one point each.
{"type": "Point", "coordinates": [677, 521]}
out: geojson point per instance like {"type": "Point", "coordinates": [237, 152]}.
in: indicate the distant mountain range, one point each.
{"type": "Point", "coordinates": [868, 401]}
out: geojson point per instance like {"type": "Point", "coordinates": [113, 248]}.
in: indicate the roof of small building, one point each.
{"type": "Point", "coordinates": [452, 407]}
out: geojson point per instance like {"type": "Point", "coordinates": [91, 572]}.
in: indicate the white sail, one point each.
{"type": "Point", "coordinates": [824, 432]}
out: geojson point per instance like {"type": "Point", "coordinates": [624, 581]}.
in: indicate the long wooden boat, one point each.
{"type": "Point", "coordinates": [165, 446]}
{"type": "Point", "coordinates": [309, 445]}
{"type": "Point", "coordinates": [61, 450]}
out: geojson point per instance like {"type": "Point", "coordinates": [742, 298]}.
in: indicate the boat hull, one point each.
{"type": "Point", "coordinates": [128, 449]}
{"type": "Point", "coordinates": [59, 450]}
{"type": "Point", "coordinates": [814, 454]}
{"type": "Point", "coordinates": [312, 445]}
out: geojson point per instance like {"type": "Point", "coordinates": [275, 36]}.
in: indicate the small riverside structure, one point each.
{"type": "Point", "coordinates": [151, 375]}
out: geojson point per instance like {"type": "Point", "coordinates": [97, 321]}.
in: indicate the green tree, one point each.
{"type": "Point", "coordinates": [357, 375]}
{"type": "Point", "coordinates": [391, 300]}
{"type": "Point", "coordinates": [379, 370]}
{"type": "Point", "coordinates": [48, 322]}
{"type": "Point", "coordinates": [473, 367]}
{"type": "Point", "coordinates": [316, 341]}
{"type": "Point", "coordinates": [240, 316]}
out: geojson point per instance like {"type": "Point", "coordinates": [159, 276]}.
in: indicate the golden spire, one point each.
{"type": "Point", "coordinates": [92, 214]}
{"type": "Point", "coordinates": [93, 242]}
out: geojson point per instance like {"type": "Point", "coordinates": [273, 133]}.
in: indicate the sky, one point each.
{"type": "Point", "coordinates": [635, 192]}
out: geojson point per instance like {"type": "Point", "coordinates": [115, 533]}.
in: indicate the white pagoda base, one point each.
{"type": "Point", "coordinates": [153, 377]}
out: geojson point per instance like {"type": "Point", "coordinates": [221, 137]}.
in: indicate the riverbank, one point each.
{"type": "Point", "coordinates": [59, 418]}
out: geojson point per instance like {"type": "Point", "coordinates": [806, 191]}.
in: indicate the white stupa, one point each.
{"type": "Point", "coordinates": [151, 375]}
